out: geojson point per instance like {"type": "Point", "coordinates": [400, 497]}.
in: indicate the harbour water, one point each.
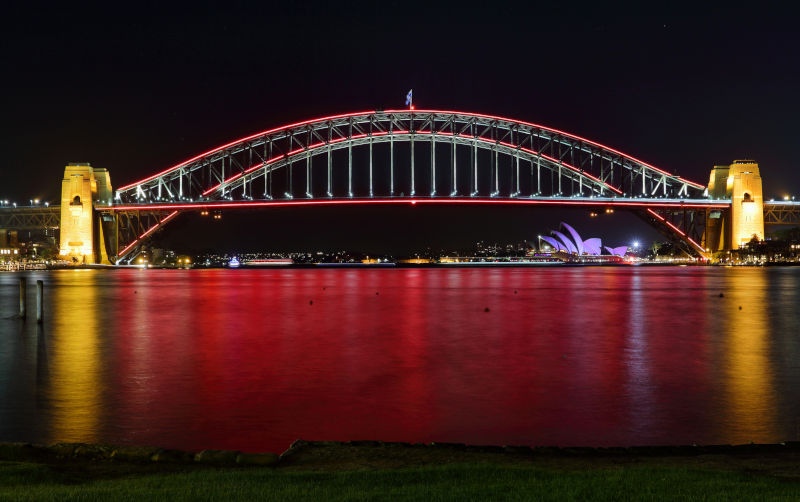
{"type": "Point", "coordinates": [252, 359]}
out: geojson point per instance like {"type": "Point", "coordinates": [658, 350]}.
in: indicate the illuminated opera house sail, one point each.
{"type": "Point", "coordinates": [575, 245]}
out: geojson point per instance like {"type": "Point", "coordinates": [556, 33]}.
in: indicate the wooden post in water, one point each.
{"type": "Point", "coordinates": [39, 301]}
{"type": "Point", "coordinates": [22, 297]}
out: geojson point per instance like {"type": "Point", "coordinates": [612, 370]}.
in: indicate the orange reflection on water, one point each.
{"type": "Point", "coordinates": [751, 400]}
{"type": "Point", "coordinates": [75, 368]}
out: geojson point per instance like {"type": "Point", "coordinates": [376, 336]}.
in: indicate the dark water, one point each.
{"type": "Point", "coordinates": [241, 359]}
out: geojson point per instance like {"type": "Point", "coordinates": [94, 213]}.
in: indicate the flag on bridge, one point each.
{"type": "Point", "coordinates": [409, 99]}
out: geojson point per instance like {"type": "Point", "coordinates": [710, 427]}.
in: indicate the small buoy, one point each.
{"type": "Point", "coordinates": [311, 302]}
{"type": "Point", "coordinates": [486, 309]}
{"type": "Point", "coordinates": [721, 295]}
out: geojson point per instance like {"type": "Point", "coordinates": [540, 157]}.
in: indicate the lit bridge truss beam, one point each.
{"type": "Point", "coordinates": [684, 225]}
{"type": "Point", "coordinates": [485, 156]}
{"type": "Point", "coordinates": [127, 231]}
{"type": "Point", "coordinates": [782, 213]}
{"type": "Point", "coordinates": [30, 218]}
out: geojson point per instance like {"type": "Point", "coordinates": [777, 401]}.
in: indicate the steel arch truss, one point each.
{"type": "Point", "coordinates": [685, 226]}
{"type": "Point", "coordinates": [129, 230]}
{"type": "Point", "coordinates": [483, 156]}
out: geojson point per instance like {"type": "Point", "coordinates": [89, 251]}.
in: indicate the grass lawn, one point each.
{"type": "Point", "coordinates": [20, 481]}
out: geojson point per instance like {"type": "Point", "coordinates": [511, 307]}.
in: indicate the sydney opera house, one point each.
{"type": "Point", "coordinates": [574, 245]}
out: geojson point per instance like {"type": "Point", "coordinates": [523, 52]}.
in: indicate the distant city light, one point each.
{"type": "Point", "coordinates": [636, 244]}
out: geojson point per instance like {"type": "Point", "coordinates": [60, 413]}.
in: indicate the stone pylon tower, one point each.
{"type": "Point", "coordinates": [741, 183]}
{"type": "Point", "coordinates": [81, 231]}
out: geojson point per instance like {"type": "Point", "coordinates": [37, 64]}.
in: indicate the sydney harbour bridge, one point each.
{"type": "Point", "coordinates": [406, 157]}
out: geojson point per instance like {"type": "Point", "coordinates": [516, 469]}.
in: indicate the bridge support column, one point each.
{"type": "Point", "coordinates": [82, 187]}
{"type": "Point", "coordinates": [741, 183]}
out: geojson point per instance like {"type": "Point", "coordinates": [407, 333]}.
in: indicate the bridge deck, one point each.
{"type": "Point", "coordinates": [545, 201]}
{"type": "Point", "coordinates": [30, 217]}
{"type": "Point", "coordinates": [782, 212]}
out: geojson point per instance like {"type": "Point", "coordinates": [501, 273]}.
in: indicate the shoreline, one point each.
{"type": "Point", "coordinates": [305, 454]}
{"type": "Point", "coordinates": [390, 266]}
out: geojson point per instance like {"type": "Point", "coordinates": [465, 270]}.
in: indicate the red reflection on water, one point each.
{"type": "Point", "coordinates": [253, 359]}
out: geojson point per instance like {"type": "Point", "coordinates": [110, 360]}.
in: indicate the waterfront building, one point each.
{"type": "Point", "coordinates": [576, 247]}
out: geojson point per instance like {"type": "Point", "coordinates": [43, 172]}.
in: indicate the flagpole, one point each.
{"type": "Point", "coordinates": [411, 133]}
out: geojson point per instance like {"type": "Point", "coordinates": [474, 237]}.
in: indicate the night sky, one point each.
{"type": "Point", "coordinates": [141, 88]}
